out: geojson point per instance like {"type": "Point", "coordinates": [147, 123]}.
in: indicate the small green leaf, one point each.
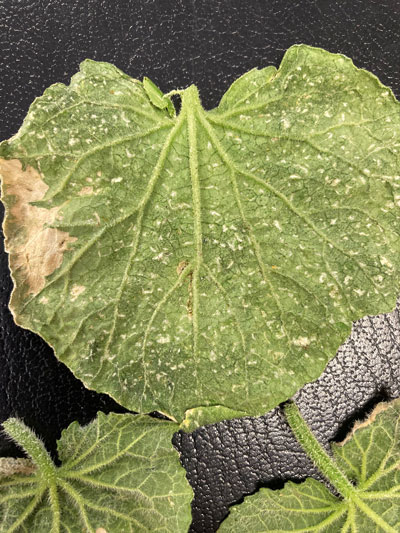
{"type": "Point", "coordinates": [246, 87]}
{"type": "Point", "coordinates": [119, 474]}
{"type": "Point", "coordinates": [157, 97]}
{"type": "Point", "coordinates": [369, 458]}
{"type": "Point", "coordinates": [216, 258]}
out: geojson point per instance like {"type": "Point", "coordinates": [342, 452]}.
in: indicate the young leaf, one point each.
{"type": "Point", "coordinates": [369, 462]}
{"type": "Point", "coordinates": [120, 473]}
{"type": "Point", "coordinates": [157, 98]}
{"type": "Point", "coordinates": [210, 259]}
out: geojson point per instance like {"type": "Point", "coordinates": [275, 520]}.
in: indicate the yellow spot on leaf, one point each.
{"type": "Point", "coordinates": [86, 191]}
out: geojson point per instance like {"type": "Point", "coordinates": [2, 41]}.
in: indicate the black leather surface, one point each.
{"type": "Point", "coordinates": [225, 461]}
{"type": "Point", "coordinates": [209, 44]}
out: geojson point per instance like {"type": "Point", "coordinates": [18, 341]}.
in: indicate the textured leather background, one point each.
{"type": "Point", "coordinates": [176, 43]}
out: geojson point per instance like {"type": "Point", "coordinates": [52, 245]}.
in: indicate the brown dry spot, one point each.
{"type": "Point", "coordinates": [181, 267]}
{"type": "Point", "coordinates": [35, 250]}
{"type": "Point", "coordinates": [365, 423]}
{"type": "Point", "coordinates": [10, 466]}
{"type": "Point", "coordinates": [189, 306]}
{"type": "Point", "coordinates": [101, 530]}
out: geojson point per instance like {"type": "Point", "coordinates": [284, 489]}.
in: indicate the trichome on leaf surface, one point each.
{"type": "Point", "coordinates": [208, 263]}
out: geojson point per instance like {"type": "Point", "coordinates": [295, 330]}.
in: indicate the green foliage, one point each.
{"type": "Point", "coordinates": [216, 258]}
{"type": "Point", "coordinates": [119, 474]}
{"type": "Point", "coordinates": [206, 264]}
{"type": "Point", "coordinates": [369, 460]}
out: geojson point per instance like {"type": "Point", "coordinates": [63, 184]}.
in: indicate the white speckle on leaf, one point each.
{"type": "Point", "coordinates": [277, 225]}
{"type": "Point", "coordinates": [385, 262]}
{"type": "Point", "coordinates": [125, 118]}
{"type": "Point", "coordinates": [360, 292]}
{"type": "Point", "coordinates": [164, 340]}
{"type": "Point", "coordinates": [301, 341]}
{"type": "Point", "coordinates": [76, 291]}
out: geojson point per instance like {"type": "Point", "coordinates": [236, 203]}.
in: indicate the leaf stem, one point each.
{"type": "Point", "coordinates": [33, 446]}
{"type": "Point", "coordinates": [55, 505]}
{"type": "Point", "coordinates": [316, 452]}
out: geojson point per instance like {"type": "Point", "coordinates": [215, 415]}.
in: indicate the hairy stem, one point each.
{"type": "Point", "coordinates": [316, 452]}
{"type": "Point", "coordinates": [32, 445]}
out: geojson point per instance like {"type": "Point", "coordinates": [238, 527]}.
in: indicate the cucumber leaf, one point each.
{"type": "Point", "coordinates": [119, 474]}
{"type": "Point", "coordinates": [217, 258]}
{"type": "Point", "coordinates": [369, 458]}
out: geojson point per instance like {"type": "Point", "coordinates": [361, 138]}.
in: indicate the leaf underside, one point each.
{"type": "Point", "coordinates": [370, 459]}
{"type": "Point", "coordinates": [216, 258]}
{"type": "Point", "coordinates": [120, 474]}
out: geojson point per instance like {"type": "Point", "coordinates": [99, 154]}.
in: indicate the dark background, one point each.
{"type": "Point", "coordinates": [209, 43]}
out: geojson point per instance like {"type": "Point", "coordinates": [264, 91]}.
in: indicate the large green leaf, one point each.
{"type": "Point", "coordinates": [119, 474]}
{"type": "Point", "coordinates": [216, 258]}
{"type": "Point", "coordinates": [370, 459]}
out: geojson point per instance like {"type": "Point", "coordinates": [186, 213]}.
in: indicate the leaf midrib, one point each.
{"type": "Point", "coordinates": [232, 171]}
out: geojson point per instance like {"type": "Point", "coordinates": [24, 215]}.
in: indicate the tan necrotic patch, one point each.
{"type": "Point", "coordinates": [35, 249]}
{"type": "Point", "coordinates": [10, 466]}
